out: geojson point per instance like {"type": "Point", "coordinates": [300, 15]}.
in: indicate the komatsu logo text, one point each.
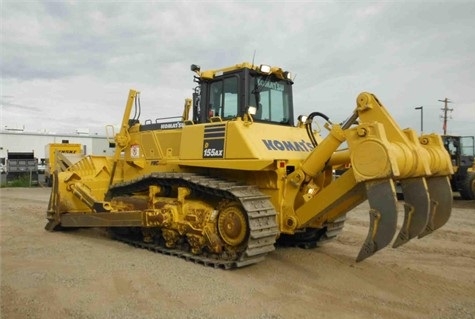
{"type": "Point", "coordinates": [276, 145]}
{"type": "Point", "coordinates": [171, 125]}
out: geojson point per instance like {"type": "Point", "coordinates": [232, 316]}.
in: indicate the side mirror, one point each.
{"type": "Point", "coordinates": [195, 68]}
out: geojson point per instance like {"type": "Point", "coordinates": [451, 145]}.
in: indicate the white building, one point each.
{"type": "Point", "coordinates": [21, 141]}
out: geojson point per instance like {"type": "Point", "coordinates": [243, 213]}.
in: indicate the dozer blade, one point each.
{"type": "Point", "coordinates": [383, 217]}
{"type": "Point", "coordinates": [441, 198]}
{"type": "Point", "coordinates": [416, 209]}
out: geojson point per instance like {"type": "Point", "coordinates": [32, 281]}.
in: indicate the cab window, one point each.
{"type": "Point", "coordinates": [223, 100]}
{"type": "Point", "coordinates": [272, 99]}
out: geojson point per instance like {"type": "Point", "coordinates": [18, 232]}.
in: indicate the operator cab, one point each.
{"type": "Point", "coordinates": [461, 149]}
{"type": "Point", "coordinates": [229, 93]}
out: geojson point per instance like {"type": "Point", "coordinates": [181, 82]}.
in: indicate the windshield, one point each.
{"type": "Point", "coordinates": [468, 146]}
{"type": "Point", "coordinates": [272, 97]}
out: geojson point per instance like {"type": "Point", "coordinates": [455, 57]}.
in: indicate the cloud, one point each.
{"type": "Point", "coordinates": [68, 58]}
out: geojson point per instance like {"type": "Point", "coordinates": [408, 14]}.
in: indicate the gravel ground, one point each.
{"type": "Point", "coordinates": [84, 274]}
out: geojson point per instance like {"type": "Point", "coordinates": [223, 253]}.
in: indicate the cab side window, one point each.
{"type": "Point", "coordinates": [223, 99]}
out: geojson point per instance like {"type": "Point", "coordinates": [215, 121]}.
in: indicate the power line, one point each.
{"type": "Point", "coordinates": [445, 110]}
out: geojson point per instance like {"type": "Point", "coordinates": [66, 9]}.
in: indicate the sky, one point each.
{"type": "Point", "coordinates": [67, 66]}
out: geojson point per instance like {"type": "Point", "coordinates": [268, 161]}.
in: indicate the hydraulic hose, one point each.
{"type": "Point", "coordinates": [308, 125]}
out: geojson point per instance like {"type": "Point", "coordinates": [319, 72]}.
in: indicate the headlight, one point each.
{"type": "Point", "coordinates": [302, 118]}
{"type": "Point", "coordinates": [287, 75]}
{"type": "Point", "coordinates": [252, 110]}
{"type": "Point", "coordinates": [264, 68]}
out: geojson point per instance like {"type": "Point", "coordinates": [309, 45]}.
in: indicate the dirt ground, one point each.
{"type": "Point", "coordinates": [84, 274]}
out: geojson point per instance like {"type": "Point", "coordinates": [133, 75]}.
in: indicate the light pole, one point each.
{"type": "Point", "coordinates": [422, 117]}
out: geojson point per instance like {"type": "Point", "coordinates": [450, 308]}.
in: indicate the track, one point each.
{"type": "Point", "coordinates": [259, 210]}
{"type": "Point", "coordinates": [310, 237]}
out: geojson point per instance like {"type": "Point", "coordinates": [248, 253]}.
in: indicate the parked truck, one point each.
{"type": "Point", "coordinates": [22, 165]}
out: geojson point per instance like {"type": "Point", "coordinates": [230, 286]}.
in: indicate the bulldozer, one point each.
{"type": "Point", "coordinates": [462, 154]}
{"type": "Point", "coordinates": [226, 184]}
{"type": "Point", "coordinates": [59, 156]}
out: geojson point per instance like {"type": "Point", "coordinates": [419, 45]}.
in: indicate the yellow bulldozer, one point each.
{"type": "Point", "coordinates": [59, 156]}
{"type": "Point", "coordinates": [222, 186]}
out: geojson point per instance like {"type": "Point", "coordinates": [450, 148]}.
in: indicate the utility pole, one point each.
{"type": "Point", "coordinates": [445, 109]}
